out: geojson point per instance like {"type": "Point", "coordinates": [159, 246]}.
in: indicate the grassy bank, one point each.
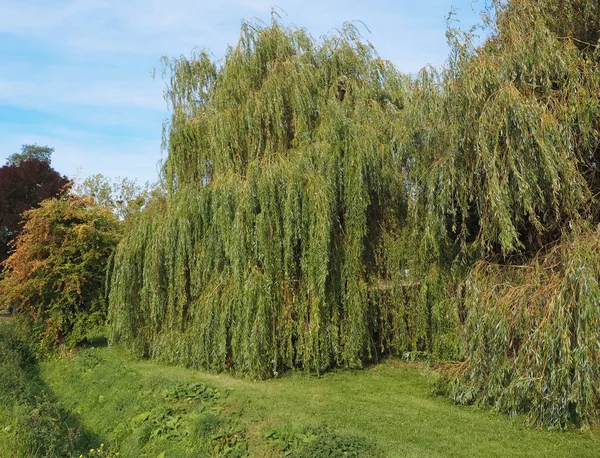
{"type": "Point", "coordinates": [33, 423]}
{"type": "Point", "coordinates": [101, 395]}
{"type": "Point", "coordinates": [387, 409]}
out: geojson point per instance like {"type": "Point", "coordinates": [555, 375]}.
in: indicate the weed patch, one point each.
{"type": "Point", "coordinates": [297, 440]}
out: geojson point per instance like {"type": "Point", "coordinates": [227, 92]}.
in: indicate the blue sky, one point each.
{"type": "Point", "coordinates": [76, 74]}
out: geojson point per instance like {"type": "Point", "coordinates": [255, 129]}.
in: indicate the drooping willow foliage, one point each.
{"type": "Point", "coordinates": [525, 163]}
{"type": "Point", "coordinates": [534, 331]}
{"type": "Point", "coordinates": [323, 209]}
{"type": "Point", "coordinates": [286, 187]}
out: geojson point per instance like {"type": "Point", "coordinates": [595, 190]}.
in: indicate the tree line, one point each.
{"type": "Point", "coordinates": [56, 235]}
{"type": "Point", "coordinates": [324, 209]}
{"type": "Point", "coordinates": [319, 208]}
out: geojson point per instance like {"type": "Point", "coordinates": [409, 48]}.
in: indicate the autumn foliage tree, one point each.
{"type": "Point", "coordinates": [55, 277]}
{"type": "Point", "coordinates": [25, 181]}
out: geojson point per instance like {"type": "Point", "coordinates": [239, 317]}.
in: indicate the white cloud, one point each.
{"type": "Point", "coordinates": [52, 94]}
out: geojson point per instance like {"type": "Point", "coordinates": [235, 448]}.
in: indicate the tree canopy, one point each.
{"type": "Point", "coordinates": [125, 197]}
{"type": "Point", "coordinates": [35, 151]}
{"type": "Point", "coordinates": [283, 183]}
{"type": "Point", "coordinates": [23, 185]}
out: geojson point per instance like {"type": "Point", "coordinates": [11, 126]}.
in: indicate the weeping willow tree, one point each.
{"type": "Point", "coordinates": [323, 209]}
{"type": "Point", "coordinates": [533, 346]}
{"type": "Point", "coordinates": [285, 192]}
{"type": "Point", "coordinates": [512, 167]}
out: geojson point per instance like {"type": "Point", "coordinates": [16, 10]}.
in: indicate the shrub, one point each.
{"type": "Point", "coordinates": [55, 277]}
{"type": "Point", "coordinates": [304, 441]}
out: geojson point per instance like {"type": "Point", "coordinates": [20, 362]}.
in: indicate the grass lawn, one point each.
{"type": "Point", "coordinates": [144, 408]}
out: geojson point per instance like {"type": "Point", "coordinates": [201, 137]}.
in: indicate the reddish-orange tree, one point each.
{"type": "Point", "coordinates": [54, 279]}
{"type": "Point", "coordinates": [24, 183]}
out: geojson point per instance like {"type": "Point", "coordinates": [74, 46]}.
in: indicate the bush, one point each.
{"type": "Point", "coordinates": [304, 441]}
{"type": "Point", "coordinates": [55, 277]}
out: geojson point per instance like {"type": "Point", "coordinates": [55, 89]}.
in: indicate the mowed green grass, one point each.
{"type": "Point", "coordinates": [389, 404]}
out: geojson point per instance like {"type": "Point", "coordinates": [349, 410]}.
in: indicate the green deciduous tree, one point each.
{"type": "Point", "coordinates": [518, 166]}
{"type": "Point", "coordinates": [125, 197]}
{"type": "Point", "coordinates": [285, 187]}
{"type": "Point", "coordinates": [35, 151]}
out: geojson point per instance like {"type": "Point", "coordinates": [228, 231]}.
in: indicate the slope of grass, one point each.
{"type": "Point", "coordinates": [101, 395]}
{"type": "Point", "coordinates": [32, 421]}
{"type": "Point", "coordinates": [143, 408]}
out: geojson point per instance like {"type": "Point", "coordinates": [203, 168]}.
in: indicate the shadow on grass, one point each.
{"type": "Point", "coordinates": [96, 341]}
{"type": "Point", "coordinates": [40, 426]}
